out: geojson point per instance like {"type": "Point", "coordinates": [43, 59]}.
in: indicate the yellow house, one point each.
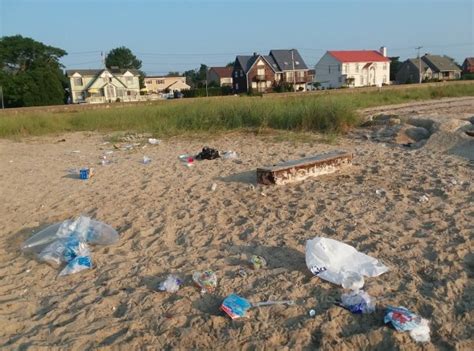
{"type": "Point", "coordinates": [103, 85]}
{"type": "Point", "coordinates": [156, 84]}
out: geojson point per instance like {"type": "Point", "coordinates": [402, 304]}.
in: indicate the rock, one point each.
{"type": "Point", "coordinates": [417, 133]}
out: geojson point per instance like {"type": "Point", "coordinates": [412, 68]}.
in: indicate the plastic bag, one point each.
{"type": "Point", "coordinates": [403, 319]}
{"type": "Point", "coordinates": [85, 229]}
{"type": "Point", "coordinates": [60, 251]}
{"type": "Point", "coordinates": [171, 284]}
{"type": "Point", "coordinates": [340, 263]}
{"type": "Point", "coordinates": [230, 155]}
{"type": "Point", "coordinates": [358, 302]}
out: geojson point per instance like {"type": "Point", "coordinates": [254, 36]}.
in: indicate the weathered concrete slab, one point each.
{"type": "Point", "coordinates": [297, 170]}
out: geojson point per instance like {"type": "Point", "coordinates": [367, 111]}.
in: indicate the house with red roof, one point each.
{"type": "Point", "coordinates": [353, 68]}
{"type": "Point", "coordinates": [222, 76]}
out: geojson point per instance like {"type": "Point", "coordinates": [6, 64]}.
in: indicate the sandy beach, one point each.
{"type": "Point", "coordinates": [170, 221]}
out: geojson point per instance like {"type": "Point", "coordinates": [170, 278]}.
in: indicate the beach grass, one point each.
{"type": "Point", "coordinates": [327, 113]}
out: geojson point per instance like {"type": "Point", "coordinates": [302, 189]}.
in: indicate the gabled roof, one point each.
{"type": "Point", "coordinates": [222, 72]}
{"type": "Point", "coordinates": [440, 63]}
{"type": "Point", "coordinates": [359, 56]}
{"type": "Point", "coordinates": [246, 61]}
{"type": "Point", "coordinates": [285, 60]}
{"type": "Point", "coordinates": [416, 62]}
{"type": "Point", "coordinates": [96, 72]}
{"type": "Point", "coordinates": [469, 60]}
{"type": "Point", "coordinates": [84, 72]}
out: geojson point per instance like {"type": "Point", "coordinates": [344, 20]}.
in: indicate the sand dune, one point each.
{"type": "Point", "coordinates": [171, 222]}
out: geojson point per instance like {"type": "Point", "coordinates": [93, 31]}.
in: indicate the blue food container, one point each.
{"type": "Point", "coordinates": [85, 173]}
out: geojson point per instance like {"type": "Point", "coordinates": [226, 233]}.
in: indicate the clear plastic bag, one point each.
{"type": "Point", "coordinates": [80, 262]}
{"type": "Point", "coordinates": [171, 284]}
{"type": "Point", "coordinates": [358, 302]}
{"type": "Point", "coordinates": [84, 228]}
{"type": "Point", "coordinates": [337, 262]}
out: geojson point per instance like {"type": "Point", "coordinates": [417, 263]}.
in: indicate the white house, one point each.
{"type": "Point", "coordinates": [355, 68]}
{"type": "Point", "coordinates": [104, 85]}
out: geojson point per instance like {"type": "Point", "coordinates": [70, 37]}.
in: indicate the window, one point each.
{"type": "Point", "coordinates": [344, 68]}
{"type": "Point", "coordinates": [289, 76]}
{"type": "Point", "coordinates": [241, 73]}
{"type": "Point", "coordinates": [236, 86]}
{"type": "Point", "coordinates": [260, 63]}
{"type": "Point", "coordinates": [160, 81]}
{"type": "Point", "coordinates": [301, 74]}
{"type": "Point", "coordinates": [149, 82]}
{"type": "Point", "coordinates": [77, 81]}
{"type": "Point", "coordinates": [384, 79]}
{"type": "Point", "coordinates": [129, 80]}
{"type": "Point", "coordinates": [261, 71]}
{"type": "Point", "coordinates": [269, 84]}
{"type": "Point", "coordinates": [254, 85]}
{"type": "Point", "coordinates": [236, 74]}
{"type": "Point", "coordinates": [357, 67]}
{"type": "Point", "coordinates": [329, 69]}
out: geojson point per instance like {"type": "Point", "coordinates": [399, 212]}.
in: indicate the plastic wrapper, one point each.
{"type": "Point", "coordinates": [60, 251]}
{"type": "Point", "coordinates": [258, 262]}
{"type": "Point", "coordinates": [78, 263]}
{"type": "Point", "coordinates": [358, 302]}
{"type": "Point", "coordinates": [235, 306]}
{"type": "Point", "coordinates": [206, 280]}
{"type": "Point", "coordinates": [337, 262]}
{"type": "Point", "coordinates": [403, 319]}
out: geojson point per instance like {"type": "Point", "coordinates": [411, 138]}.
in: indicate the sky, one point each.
{"type": "Point", "coordinates": [179, 35]}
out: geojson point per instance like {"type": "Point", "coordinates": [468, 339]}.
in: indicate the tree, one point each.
{"type": "Point", "coordinates": [395, 65]}
{"type": "Point", "coordinates": [230, 64]}
{"type": "Point", "coordinates": [30, 72]}
{"type": "Point", "coordinates": [196, 78]}
{"type": "Point", "coordinates": [123, 58]}
{"type": "Point", "coordinates": [173, 74]}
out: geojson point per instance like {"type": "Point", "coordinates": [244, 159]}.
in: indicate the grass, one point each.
{"type": "Point", "coordinates": [331, 114]}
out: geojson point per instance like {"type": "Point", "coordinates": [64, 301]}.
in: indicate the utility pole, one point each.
{"type": "Point", "coordinates": [1, 94]}
{"type": "Point", "coordinates": [419, 64]}
{"type": "Point", "coordinates": [207, 92]}
{"type": "Point", "coordinates": [294, 73]}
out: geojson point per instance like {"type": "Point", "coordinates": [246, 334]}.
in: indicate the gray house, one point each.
{"type": "Point", "coordinates": [431, 67]}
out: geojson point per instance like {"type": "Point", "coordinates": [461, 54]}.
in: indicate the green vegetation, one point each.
{"type": "Point", "coordinates": [30, 72]}
{"type": "Point", "coordinates": [328, 113]}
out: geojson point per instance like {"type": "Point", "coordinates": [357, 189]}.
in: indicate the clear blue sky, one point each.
{"type": "Point", "coordinates": [176, 35]}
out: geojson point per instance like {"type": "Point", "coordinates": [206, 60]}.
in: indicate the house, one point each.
{"type": "Point", "coordinates": [103, 85]}
{"type": "Point", "coordinates": [263, 73]}
{"type": "Point", "coordinates": [222, 76]}
{"type": "Point", "coordinates": [159, 84]}
{"type": "Point", "coordinates": [468, 65]}
{"type": "Point", "coordinates": [354, 68]}
{"type": "Point", "coordinates": [431, 67]}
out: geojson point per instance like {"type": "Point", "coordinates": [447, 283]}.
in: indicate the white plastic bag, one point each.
{"type": "Point", "coordinates": [340, 263]}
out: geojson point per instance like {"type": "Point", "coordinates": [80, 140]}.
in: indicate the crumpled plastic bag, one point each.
{"type": "Point", "coordinates": [78, 263]}
{"type": "Point", "coordinates": [340, 263]}
{"type": "Point", "coordinates": [358, 302]}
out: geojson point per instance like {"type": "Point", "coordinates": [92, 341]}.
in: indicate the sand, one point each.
{"type": "Point", "coordinates": [170, 221]}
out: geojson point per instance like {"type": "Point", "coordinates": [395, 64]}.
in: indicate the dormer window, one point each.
{"type": "Point", "coordinates": [78, 81]}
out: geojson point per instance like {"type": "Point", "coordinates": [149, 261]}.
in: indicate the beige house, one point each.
{"type": "Point", "coordinates": [103, 85]}
{"type": "Point", "coordinates": [155, 84]}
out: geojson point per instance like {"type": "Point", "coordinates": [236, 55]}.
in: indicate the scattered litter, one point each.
{"type": "Point", "coordinates": [213, 187]}
{"type": "Point", "coordinates": [206, 280]}
{"type": "Point", "coordinates": [380, 192]}
{"type": "Point", "coordinates": [153, 141]}
{"type": "Point", "coordinates": [208, 153]}
{"type": "Point", "coordinates": [340, 263]}
{"type": "Point", "coordinates": [171, 284]}
{"type": "Point", "coordinates": [105, 143]}
{"type": "Point", "coordinates": [242, 272]}
{"type": "Point", "coordinates": [76, 151]}
{"type": "Point", "coordinates": [251, 187]}
{"type": "Point", "coordinates": [86, 173]}
{"type": "Point", "coordinates": [187, 159]}
{"type": "Point", "coordinates": [109, 152]}
{"type": "Point", "coordinates": [271, 302]}
{"type": "Point", "coordinates": [66, 243]}
{"type": "Point", "coordinates": [258, 262]}
{"type": "Point", "coordinates": [230, 155]}
{"type": "Point", "coordinates": [105, 162]}
{"type": "Point", "coordinates": [358, 302]}
{"type": "Point", "coordinates": [312, 313]}
{"type": "Point", "coordinates": [61, 140]}
{"type": "Point", "coordinates": [263, 194]}
{"type": "Point", "coordinates": [235, 306]}
{"type": "Point", "coordinates": [146, 160]}
{"type": "Point", "coordinates": [404, 320]}
{"type": "Point", "coordinates": [423, 198]}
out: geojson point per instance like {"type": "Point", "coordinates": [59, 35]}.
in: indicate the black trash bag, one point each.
{"type": "Point", "coordinates": [208, 153]}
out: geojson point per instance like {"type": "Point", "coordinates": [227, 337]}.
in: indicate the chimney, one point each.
{"type": "Point", "coordinates": [383, 51]}
{"type": "Point", "coordinates": [254, 54]}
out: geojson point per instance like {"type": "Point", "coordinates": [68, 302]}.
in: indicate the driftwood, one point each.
{"type": "Point", "coordinates": [296, 170]}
